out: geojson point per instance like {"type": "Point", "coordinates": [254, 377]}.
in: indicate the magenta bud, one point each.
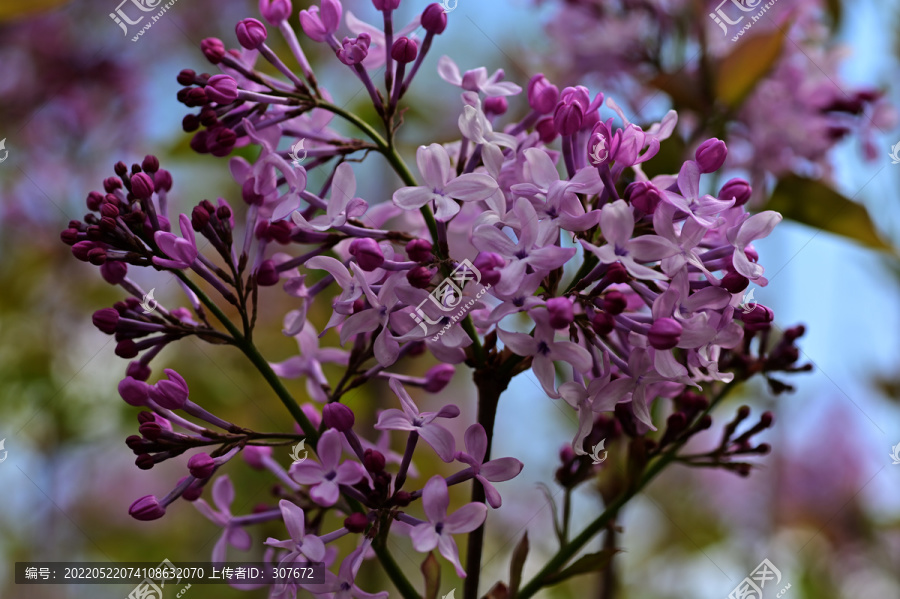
{"type": "Point", "coordinates": [250, 33]}
{"type": "Point", "coordinates": [758, 319]}
{"type": "Point", "coordinates": [420, 277]}
{"type": "Point", "coordinates": [711, 155]}
{"type": "Point", "coordinates": [275, 11]}
{"type": "Point", "coordinates": [135, 392]}
{"type": "Point", "coordinates": [566, 454]}
{"type": "Point", "coordinates": [487, 264]}
{"type": "Point", "coordinates": [172, 393]}
{"type": "Point", "coordinates": [267, 275]}
{"type": "Point", "coordinates": [404, 50]}
{"type": "Point", "coordinates": [145, 461]}
{"type": "Point", "coordinates": [356, 523]}
{"type": "Point", "coordinates": [434, 19]}
{"type": "Point", "coordinates": [201, 466]}
{"type": "Point", "coordinates": [643, 195]}
{"type": "Point", "coordinates": [600, 145]}
{"type": "Point", "coordinates": [542, 95]}
{"type": "Point", "coordinates": [665, 333]}
{"type": "Point", "coordinates": [374, 461]}
{"type": "Point", "coordinates": [603, 323]}
{"type": "Point", "coordinates": [614, 302]}
{"type": "Point", "coordinates": [126, 349]}
{"type": "Point", "coordinates": [568, 118]}
{"type": "Point", "coordinates": [354, 50]}
{"type": "Point", "coordinates": [438, 377]}
{"type": "Point", "coordinates": [192, 492]}
{"type": "Point", "coordinates": [142, 186]}
{"type": "Point", "coordinates": [338, 416]}
{"type": "Point", "coordinates": [734, 282]}
{"type": "Point", "coordinates": [110, 184]}
{"type": "Point", "coordinates": [221, 89]}
{"type": "Point", "coordinates": [562, 312]}
{"type": "Point", "coordinates": [94, 200]}
{"type": "Point", "coordinates": [736, 189]}
{"type": "Point", "coordinates": [138, 371]}
{"type": "Point", "coordinates": [199, 218]}
{"type": "Point", "coordinates": [146, 508]}
{"type": "Point", "coordinates": [419, 250]}
{"type": "Point", "coordinates": [163, 180]}
{"type": "Point", "coordinates": [150, 164]}
{"type": "Point", "coordinates": [213, 49]}
{"type": "Point", "coordinates": [106, 320]}
{"type": "Point", "coordinates": [546, 130]}
{"type": "Point", "coordinates": [255, 456]}
{"type": "Point", "coordinates": [367, 252]}
{"type": "Point", "coordinates": [496, 106]}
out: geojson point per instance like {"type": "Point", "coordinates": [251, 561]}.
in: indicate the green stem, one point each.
{"type": "Point", "coordinates": [406, 589]}
{"type": "Point", "coordinates": [568, 551]}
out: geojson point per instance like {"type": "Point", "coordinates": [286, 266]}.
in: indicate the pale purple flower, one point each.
{"type": "Point", "coordinates": [308, 362]}
{"type": "Point", "coordinates": [343, 585]}
{"type": "Point", "coordinates": [698, 207]}
{"type": "Point", "coordinates": [341, 206]}
{"type": "Point", "coordinates": [326, 475]}
{"type": "Point", "coordinates": [410, 419]}
{"type": "Point", "coordinates": [498, 470]}
{"type": "Point", "coordinates": [442, 186]}
{"type": "Point", "coordinates": [182, 251]}
{"type": "Point", "coordinates": [437, 531]}
{"type": "Point", "coordinates": [617, 225]}
{"type": "Point", "coordinates": [476, 80]}
{"type": "Point", "coordinates": [743, 234]}
{"type": "Point", "coordinates": [378, 314]}
{"type": "Point", "coordinates": [318, 24]}
{"type": "Point", "coordinates": [301, 546]}
{"type": "Point", "coordinates": [223, 497]}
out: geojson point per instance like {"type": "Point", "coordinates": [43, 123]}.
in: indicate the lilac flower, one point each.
{"type": "Point", "coordinates": [329, 473]}
{"type": "Point", "coordinates": [309, 361]}
{"type": "Point", "coordinates": [437, 530]}
{"type": "Point", "coordinates": [341, 206]}
{"type": "Point", "coordinates": [182, 251]}
{"type": "Point", "coordinates": [320, 25]}
{"type": "Point", "coordinates": [410, 419]}
{"type": "Point", "coordinates": [617, 225]}
{"type": "Point", "coordinates": [343, 585]}
{"type": "Point", "coordinates": [223, 497]}
{"type": "Point", "coordinates": [377, 54]}
{"type": "Point", "coordinates": [476, 80]}
{"type": "Point", "coordinates": [378, 314]}
{"type": "Point", "coordinates": [441, 186]}
{"type": "Point", "coordinates": [743, 234]}
{"type": "Point", "coordinates": [497, 470]}
{"type": "Point", "coordinates": [301, 546]}
{"type": "Point", "coordinates": [700, 208]}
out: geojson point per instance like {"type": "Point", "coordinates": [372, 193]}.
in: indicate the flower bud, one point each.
{"type": "Point", "coordinates": [138, 371]}
{"type": "Point", "coordinates": [142, 186]}
{"type": "Point", "coordinates": [711, 155]}
{"type": "Point", "coordinates": [221, 89]}
{"type": "Point", "coordinates": [275, 12]}
{"type": "Point", "coordinates": [487, 264]}
{"type": "Point", "coordinates": [255, 456]}
{"type": "Point", "coordinates": [213, 49]}
{"type": "Point", "coordinates": [374, 461]}
{"type": "Point", "coordinates": [367, 252]}
{"type": "Point", "coordinates": [419, 250]}
{"type": "Point", "coordinates": [643, 195]}
{"type": "Point", "coordinates": [420, 277]}
{"type": "Point", "coordinates": [150, 164]}
{"type": "Point", "coordinates": [110, 184]}
{"type": "Point", "coordinates": [568, 118]}
{"type": "Point", "coordinates": [404, 50]}
{"type": "Point", "coordinates": [603, 323]}
{"type": "Point", "coordinates": [736, 189]}
{"type": "Point", "coordinates": [135, 392]}
{"type": "Point", "coordinates": [542, 95]}
{"type": "Point", "coordinates": [114, 272]}
{"type": "Point", "coordinates": [250, 33]}
{"type": "Point", "coordinates": [192, 492]}
{"type": "Point", "coordinates": [94, 200]}
{"type": "Point", "coordinates": [146, 508]}
{"type": "Point", "coordinates": [199, 218]}
{"type": "Point", "coordinates": [665, 333]}
{"type": "Point", "coordinates": [434, 19]}
{"type": "Point", "coordinates": [145, 461]}
{"type": "Point", "coordinates": [172, 393]}
{"type": "Point", "coordinates": [338, 416]}
{"type": "Point", "coordinates": [438, 377]}
{"type": "Point", "coordinates": [126, 349]}
{"type": "Point", "coordinates": [561, 311]}
{"type": "Point", "coordinates": [759, 319]}
{"type": "Point", "coordinates": [356, 523]}
{"type": "Point", "coordinates": [106, 320]}
{"type": "Point", "coordinates": [734, 282]}
{"type": "Point", "coordinates": [354, 50]}
{"type": "Point", "coordinates": [319, 24]}
{"type": "Point", "coordinates": [201, 466]}
{"type": "Point", "coordinates": [495, 106]}
{"type": "Point", "coordinates": [386, 4]}
{"type": "Point", "coordinates": [546, 130]}
{"type": "Point", "coordinates": [267, 275]}
{"type": "Point", "coordinates": [614, 302]}
{"type": "Point", "coordinates": [162, 179]}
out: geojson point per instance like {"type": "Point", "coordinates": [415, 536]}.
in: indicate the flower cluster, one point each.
{"type": "Point", "coordinates": [618, 290]}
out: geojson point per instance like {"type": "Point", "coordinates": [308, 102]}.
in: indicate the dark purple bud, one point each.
{"type": "Point", "coordinates": [736, 189]}
{"type": "Point", "coordinates": [420, 276]}
{"type": "Point", "coordinates": [402, 498]}
{"type": "Point", "coordinates": [665, 333]}
{"type": "Point", "coordinates": [568, 118]}
{"type": "Point", "coordinates": [419, 250]}
{"type": "Point", "coordinates": [110, 184]}
{"type": "Point", "coordinates": [356, 523]}
{"type": "Point", "coordinates": [97, 256]}
{"type": "Point", "coordinates": [223, 212]}
{"type": "Point", "coordinates": [711, 155]}
{"type": "Point", "coordinates": [438, 377]}
{"type": "Point", "coordinates": [599, 147]}
{"type": "Point", "coordinates": [201, 466]}
{"type": "Point", "coordinates": [616, 273]}
{"type": "Point", "coordinates": [195, 97]}
{"type": "Point", "coordinates": [496, 106]}
{"type": "Point", "coordinates": [734, 282]}
{"type": "Point", "coordinates": [643, 195]}
{"type": "Point", "coordinates": [133, 391]}
{"type": "Point", "coordinates": [120, 168]}
{"type": "Point", "coordinates": [338, 416]}
{"type": "Point", "coordinates": [145, 461]}
{"type": "Point", "coordinates": [114, 272]}
{"type": "Point", "coordinates": [434, 19]}
{"type": "Point", "coordinates": [146, 508]}
{"type": "Point", "coordinates": [566, 454]}
{"type": "Point", "coordinates": [221, 89]}
{"type": "Point", "coordinates": [193, 491]}
{"type": "Point", "coordinates": [275, 12]}
{"type": "Point", "coordinates": [208, 117]}
{"type": "Point", "coordinates": [221, 141]}
{"type": "Point", "coordinates": [94, 200]}
{"type": "Point", "coordinates": [109, 210]}
{"type": "Point", "coordinates": [145, 417]}
{"type": "Point", "coordinates": [162, 180]}
{"type": "Point", "coordinates": [561, 311]}
{"type": "Point", "coordinates": [251, 33]}
{"type": "Point", "coordinates": [404, 50]}
{"type": "Point", "coordinates": [150, 164]}
{"type": "Point", "coordinates": [214, 51]}
{"type": "Point", "coordinates": [603, 323]}
{"type": "Point", "coordinates": [280, 232]}
{"type": "Point", "coordinates": [249, 195]}
{"type": "Point", "coordinates": [267, 275]}
{"type": "Point", "coordinates": [106, 320]}
{"type": "Point", "coordinates": [766, 419]}
{"type": "Point", "coordinates": [187, 76]}
{"type": "Point", "coordinates": [614, 302]}
{"type": "Point", "coordinates": [199, 218]}
{"type": "Point", "coordinates": [190, 123]}
{"type": "Point", "coordinates": [374, 461]}
{"type": "Point", "coordinates": [487, 264]}
{"type": "Point", "coordinates": [759, 319]}
{"type": "Point", "coordinates": [542, 95]}
{"type": "Point", "coordinates": [354, 50]}
{"type": "Point", "coordinates": [367, 252]}
{"type": "Point", "coordinates": [255, 456]}
{"type": "Point", "coordinates": [69, 236]}
{"type": "Point", "coordinates": [138, 371]}
{"type": "Point", "coordinates": [142, 186]}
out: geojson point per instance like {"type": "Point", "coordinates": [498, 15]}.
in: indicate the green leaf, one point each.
{"type": "Point", "coordinates": [739, 72]}
{"type": "Point", "coordinates": [592, 562]}
{"type": "Point", "coordinates": [813, 203]}
{"type": "Point", "coordinates": [516, 564]}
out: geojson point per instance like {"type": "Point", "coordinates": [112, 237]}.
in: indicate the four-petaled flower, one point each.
{"type": "Point", "coordinates": [409, 419]}
{"type": "Point", "coordinates": [496, 471]}
{"type": "Point", "coordinates": [326, 475]}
